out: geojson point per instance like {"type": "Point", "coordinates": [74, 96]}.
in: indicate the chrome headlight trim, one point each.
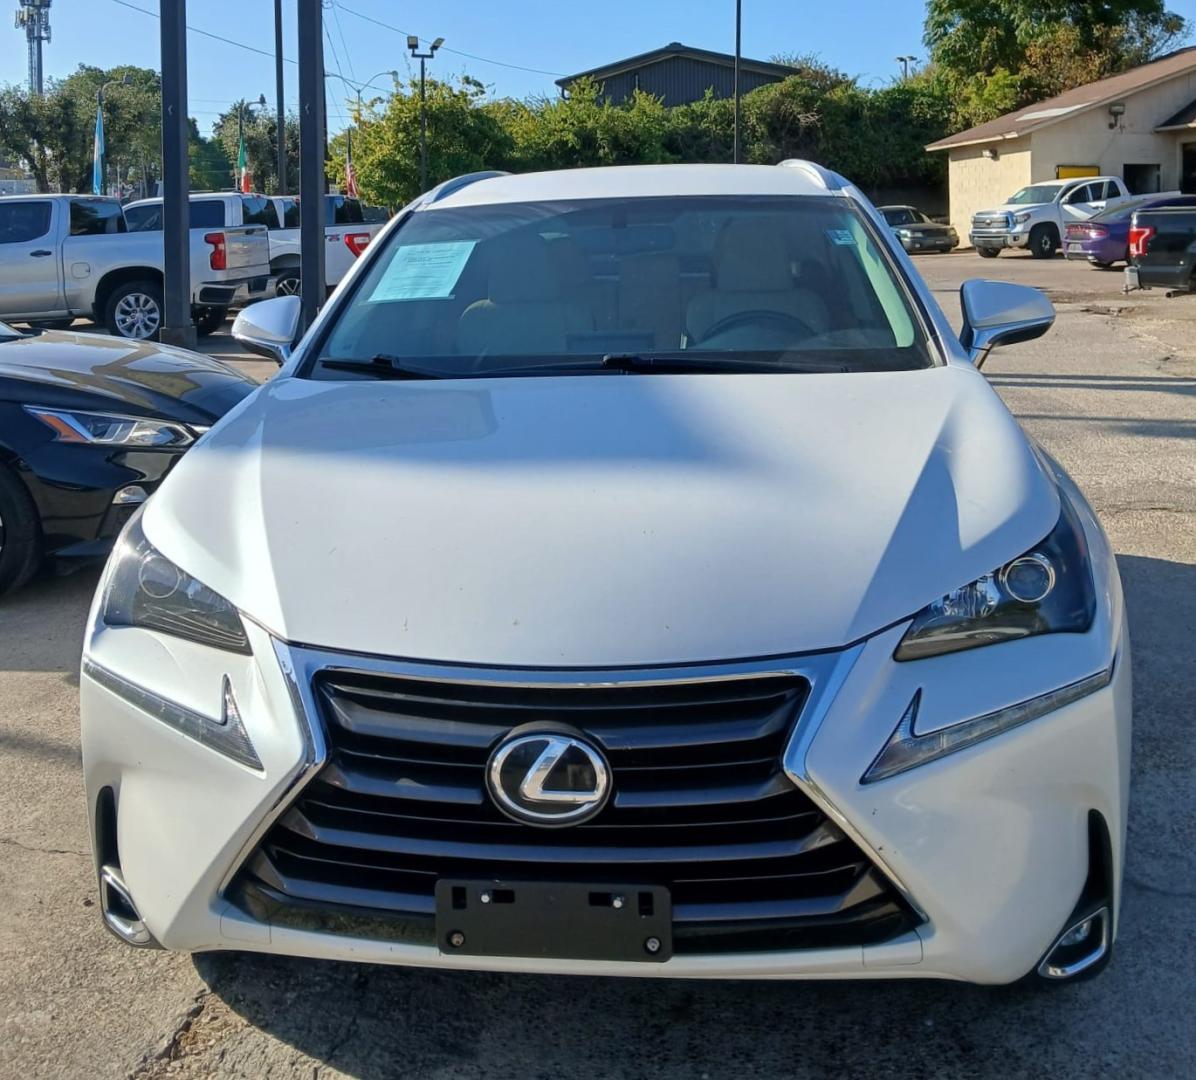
{"type": "Point", "coordinates": [226, 736]}
{"type": "Point", "coordinates": [907, 750]}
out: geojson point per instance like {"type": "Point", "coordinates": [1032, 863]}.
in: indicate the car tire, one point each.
{"type": "Point", "coordinates": [287, 283]}
{"type": "Point", "coordinates": [1044, 242]}
{"type": "Point", "coordinates": [988, 253]}
{"type": "Point", "coordinates": [135, 310]}
{"type": "Point", "coordinates": [209, 319]}
{"type": "Point", "coordinates": [20, 533]}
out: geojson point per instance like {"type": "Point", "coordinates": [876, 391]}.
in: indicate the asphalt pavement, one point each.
{"type": "Point", "coordinates": [1111, 392]}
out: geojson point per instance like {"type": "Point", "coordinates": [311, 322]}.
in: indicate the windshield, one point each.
{"type": "Point", "coordinates": [514, 288]}
{"type": "Point", "coordinates": [902, 216]}
{"type": "Point", "coordinates": [1035, 193]}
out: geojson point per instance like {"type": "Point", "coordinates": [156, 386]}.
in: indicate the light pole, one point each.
{"type": "Point", "coordinates": [367, 84]}
{"type": "Point", "coordinates": [738, 47]}
{"type": "Point", "coordinates": [124, 80]}
{"type": "Point", "coordinates": [281, 121]}
{"type": "Point", "coordinates": [241, 109]}
{"type": "Point", "coordinates": [905, 62]}
{"type": "Point", "coordinates": [413, 45]}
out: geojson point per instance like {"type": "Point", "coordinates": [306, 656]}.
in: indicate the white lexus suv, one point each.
{"type": "Point", "coordinates": [628, 573]}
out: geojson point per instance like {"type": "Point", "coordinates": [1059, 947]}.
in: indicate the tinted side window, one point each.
{"type": "Point", "coordinates": [207, 214]}
{"type": "Point", "coordinates": [21, 222]}
{"type": "Point", "coordinates": [342, 211]}
{"type": "Point", "coordinates": [96, 217]}
{"type": "Point", "coordinates": [290, 213]}
{"type": "Point", "coordinates": [143, 218]}
{"type": "Point", "coordinates": [258, 210]}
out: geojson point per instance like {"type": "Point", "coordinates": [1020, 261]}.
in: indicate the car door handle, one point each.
{"type": "Point", "coordinates": [40, 253]}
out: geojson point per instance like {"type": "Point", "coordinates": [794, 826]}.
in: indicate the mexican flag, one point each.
{"type": "Point", "coordinates": [244, 176]}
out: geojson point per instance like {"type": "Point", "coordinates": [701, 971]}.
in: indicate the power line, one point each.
{"type": "Point", "coordinates": [344, 44]}
{"type": "Point", "coordinates": [445, 48]}
{"type": "Point", "coordinates": [227, 41]}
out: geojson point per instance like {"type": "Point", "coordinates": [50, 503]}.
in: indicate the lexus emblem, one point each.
{"type": "Point", "coordinates": [548, 778]}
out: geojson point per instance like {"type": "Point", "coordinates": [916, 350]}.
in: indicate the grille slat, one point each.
{"type": "Point", "coordinates": [700, 804]}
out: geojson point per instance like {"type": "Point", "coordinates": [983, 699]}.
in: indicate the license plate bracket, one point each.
{"type": "Point", "coordinates": [567, 921]}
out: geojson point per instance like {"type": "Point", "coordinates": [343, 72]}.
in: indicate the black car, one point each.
{"type": "Point", "coordinates": [917, 232]}
{"type": "Point", "coordinates": [89, 426]}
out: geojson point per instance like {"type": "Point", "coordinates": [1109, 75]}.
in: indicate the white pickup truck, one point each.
{"type": "Point", "coordinates": [1037, 216]}
{"type": "Point", "coordinates": [64, 257]}
{"type": "Point", "coordinates": [346, 233]}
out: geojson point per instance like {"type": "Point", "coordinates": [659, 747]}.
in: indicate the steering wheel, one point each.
{"type": "Point", "coordinates": [781, 320]}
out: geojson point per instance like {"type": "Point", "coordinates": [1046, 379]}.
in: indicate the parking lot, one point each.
{"type": "Point", "coordinates": [1111, 392]}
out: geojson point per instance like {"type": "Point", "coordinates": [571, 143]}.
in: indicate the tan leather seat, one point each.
{"type": "Point", "coordinates": [525, 312]}
{"type": "Point", "coordinates": [650, 298]}
{"type": "Point", "coordinates": [753, 272]}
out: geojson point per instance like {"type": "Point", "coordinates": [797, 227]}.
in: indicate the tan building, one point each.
{"type": "Point", "coordinates": [1140, 125]}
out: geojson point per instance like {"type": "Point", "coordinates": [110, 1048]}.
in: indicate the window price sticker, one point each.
{"type": "Point", "coordinates": [423, 271]}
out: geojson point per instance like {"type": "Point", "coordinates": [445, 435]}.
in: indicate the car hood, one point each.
{"type": "Point", "coordinates": [601, 521]}
{"type": "Point", "coordinates": [55, 368]}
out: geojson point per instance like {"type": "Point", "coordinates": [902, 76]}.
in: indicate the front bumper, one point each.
{"type": "Point", "coordinates": [86, 494]}
{"type": "Point", "coordinates": [987, 845]}
{"type": "Point", "coordinates": [993, 238]}
{"type": "Point", "coordinates": [919, 244]}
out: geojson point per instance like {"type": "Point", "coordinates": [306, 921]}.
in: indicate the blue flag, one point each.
{"type": "Point", "coordinates": [97, 157]}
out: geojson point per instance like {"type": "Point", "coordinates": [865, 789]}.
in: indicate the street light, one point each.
{"type": "Point", "coordinates": [241, 110]}
{"type": "Point", "coordinates": [905, 62]}
{"type": "Point", "coordinates": [124, 80]}
{"type": "Point", "coordinates": [413, 45]}
{"type": "Point", "coordinates": [370, 82]}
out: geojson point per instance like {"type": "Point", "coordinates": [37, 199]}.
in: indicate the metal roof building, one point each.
{"type": "Point", "coordinates": [678, 74]}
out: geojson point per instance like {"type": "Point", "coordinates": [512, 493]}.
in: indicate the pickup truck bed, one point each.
{"type": "Point", "coordinates": [70, 256]}
{"type": "Point", "coordinates": [1163, 250]}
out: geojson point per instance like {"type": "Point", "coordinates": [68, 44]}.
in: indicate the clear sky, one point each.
{"type": "Point", "coordinates": [561, 37]}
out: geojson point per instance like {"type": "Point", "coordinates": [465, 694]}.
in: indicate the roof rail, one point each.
{"type": "Point", "coordinates": [823, 177]}
{"type": "Point", "coordinates": [450, 187]}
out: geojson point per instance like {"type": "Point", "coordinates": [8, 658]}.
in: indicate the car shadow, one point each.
{"type": "Point", "coordinates": [373, 1020]}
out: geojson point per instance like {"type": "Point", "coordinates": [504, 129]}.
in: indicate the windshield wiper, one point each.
{"type": "Point", "coordinates": [679, 363]}
{"type": "Point", "coordinates": [384, 366]}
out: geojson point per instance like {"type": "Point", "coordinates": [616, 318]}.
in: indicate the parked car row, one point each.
{"type": "Point", "coordinates": [347, 231]}
{"type": "Point", "coordinates": [64, 257]}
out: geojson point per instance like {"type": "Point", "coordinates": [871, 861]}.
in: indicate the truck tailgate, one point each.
{"type": "Point", "coordinates": [342, 245]}
{"type": "Point", "coordinates": [247, 251]}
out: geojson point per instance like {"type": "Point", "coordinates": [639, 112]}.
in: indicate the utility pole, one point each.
{"type": "Point", "coordinates": [33, 16]}
{"type": "Point", "coordinates": [278, 92]}
{"type": "Point", "coordinates": [413, 45]}
{"type": "Point", "coordinates": [311, 157]}
{"type": "Point", "coordinates": [177, 325]}
{"type": "Point", "coordinates": [738, 52]}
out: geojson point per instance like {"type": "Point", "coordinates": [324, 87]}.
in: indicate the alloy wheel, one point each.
{"type": "Point", "coordinates": [138, 315]}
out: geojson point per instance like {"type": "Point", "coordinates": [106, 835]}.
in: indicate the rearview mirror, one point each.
{"type": "Point", "coordinates": [999, 313]}
{"type": "Point", "coordinates": [270, 328]}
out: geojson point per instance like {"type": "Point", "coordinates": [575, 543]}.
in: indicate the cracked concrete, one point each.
{"type": "Point", "coordinates": [76, 1003]}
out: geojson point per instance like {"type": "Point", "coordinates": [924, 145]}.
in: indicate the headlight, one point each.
{"type": "Point", "coordinates": [905, 234]}
{"type": "Point", "coordinates": [146, 589]}
{"type": "Point", "coordinates": [1048, 590]}
{"type": "Point", "coordinates": [103, 429]}
{"type": "Point", "coordinates": [1021, 219]}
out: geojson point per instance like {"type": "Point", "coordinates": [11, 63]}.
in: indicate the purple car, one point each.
{"type": "Point", "coordinates": [1105, 239]}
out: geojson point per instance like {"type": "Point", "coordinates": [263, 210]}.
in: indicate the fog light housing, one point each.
{"type": "Point", "coordinates": [133, 495]}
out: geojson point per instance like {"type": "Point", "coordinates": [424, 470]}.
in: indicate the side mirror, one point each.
{"type": "Point", "coordinates": [270, 328]}
{"type": "Point", "coordinates": [998, 313]}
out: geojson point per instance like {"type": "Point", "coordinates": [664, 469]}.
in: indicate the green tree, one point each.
{"type": "Point", "coordinates": [1002, 54]}
{"type": "Point", "coordinates": [463, 136]}
{"type": "Point", "coordinates": [261, 144]}
{"type": "Point", "coordinates": [54, 133]}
